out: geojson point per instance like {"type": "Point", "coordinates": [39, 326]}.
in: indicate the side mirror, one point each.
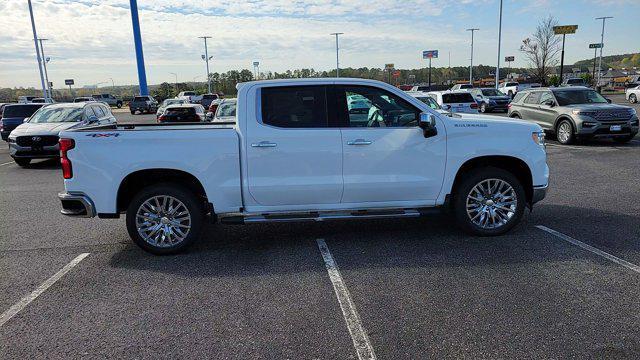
{"type": "Point", "coordinates": [92, 119]}
{"type": "Point", "coordinates": [428, 124]}
{"type": "Point", "coordinates": [25, 120]}
{"type": "Point", "coordinates": [608, 100]}
{"type": "Point", "coordinates": [550, 103]}
{"type": "Point", "coordinates": [479, 97]}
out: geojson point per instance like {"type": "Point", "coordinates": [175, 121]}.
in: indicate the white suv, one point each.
{"type": "Point", "coordinates": [455, 101]}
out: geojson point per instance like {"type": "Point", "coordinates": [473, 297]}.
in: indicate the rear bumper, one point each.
{"type": "Point", "coordinates": [539, 193]}
{"type": "Point", "coordinates": [76, 205]}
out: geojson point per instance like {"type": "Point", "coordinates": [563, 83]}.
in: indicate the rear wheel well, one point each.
{"type": "Point", "coordinates": [136, 181]}
{"type": "Point", "coordinates": [511, 164]}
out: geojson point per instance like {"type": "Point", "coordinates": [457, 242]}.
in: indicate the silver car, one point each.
{"type": "Point", "coordinates": [37, 137]}
{"type": "Point", "coordinates": [575, 112]}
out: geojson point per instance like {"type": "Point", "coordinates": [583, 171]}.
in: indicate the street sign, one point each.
{"type": "Point", "coordinates": [256, 63]}
{"type": "Point", "coordinates": [430, 54]}
{"type": "Point", "coordinates": [596, 46]}
{"type": "Point", "coordinates": [68, 81]}
{"type": "Point", "coordinates": [396, 73]}
{"type": "Point", "coordinates": [565, 29]}
{"type": "Point", "coordinates": [388, 66]}
{"type": "Point", "coordinates": [509, 58]}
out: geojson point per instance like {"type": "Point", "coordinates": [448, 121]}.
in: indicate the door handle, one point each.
{"type": "Point", "coordinates": [264, 144]}
{"type": "Point", "coordinates": [359, 142]}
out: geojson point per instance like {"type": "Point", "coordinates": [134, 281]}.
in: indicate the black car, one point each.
{"type": "Point", "coordinates": [14, 115]}
{"type": "Point", "coordinates": [490, 99]}
{"type": "Point", "coordinates": [207, 99]}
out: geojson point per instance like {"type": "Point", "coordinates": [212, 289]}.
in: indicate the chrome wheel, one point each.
{"type": "Point", "coordinates": [491, 203]}
{"type": "Point", "coordinates": [564, 132]}
{"type": "Point", "coordinates": [163, 221]}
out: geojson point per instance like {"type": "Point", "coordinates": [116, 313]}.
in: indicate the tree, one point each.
{"type": "Point", "coordinates": [542, 49]}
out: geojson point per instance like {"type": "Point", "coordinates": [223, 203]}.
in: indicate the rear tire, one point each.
{"type": "Point", "coordinates": [119, 105]}
{"type": "Point", "coordinates": [515, 116]}
{"type": "Point", "coordinates": [565, 132]}
{"type": "Point", "coordinates": [483, 108]}
{"type": "Point", "coordinates": [22, 162]}
{"type": "Point", "coordinates": [165, 218]}
{"type": "Point", "coordinates": [494, 212]}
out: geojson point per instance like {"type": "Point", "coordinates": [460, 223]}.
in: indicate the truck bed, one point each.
{"type": "Point", "coordinates": [159, 126]}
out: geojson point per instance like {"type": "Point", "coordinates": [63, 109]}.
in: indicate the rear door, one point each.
{"type": "Point", "coordinates": [387, 159]}
{"type": "Point", "coordinates": [529, 106]}
{"type": "Point", "coordinates": [545, 114]}
{"type": "Point", "coordinates": [293, 157]}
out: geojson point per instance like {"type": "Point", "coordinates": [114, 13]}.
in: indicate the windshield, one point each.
{"type": "Point", "coordinates": [492, 92]}
{"type": "Point", "coordinates": [57, 115]}
{"type": "Point", "coordinates": [172, 102]}
{"type": "Point", "coordinates": [574, 97]}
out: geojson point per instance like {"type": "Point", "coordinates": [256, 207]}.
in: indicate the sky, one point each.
{"type": "Point", "coordinates": [92, 41]}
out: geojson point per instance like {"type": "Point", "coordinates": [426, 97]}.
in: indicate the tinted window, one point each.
{"type": "Point", "coordinates": [181, 111]}
{"type": "Point", "coordinates": [492, 92]}
{"type": "Point", "coordinates": [429, 101]}
{"type": "Point", "coordinates": [19, 111]}
{"type": "Point", "coordinates": [466, 86]}
{"type": "Point", "coordinates": [214, 96]}
{"type": "Point", "coordinates": [463, 97]}
{"type": "Point", "coordinates": [294, 106]}
{"type": "Point", "coordinates": [373, 107]}
{"type": "Point", "coordinates": [533, 98]}
{"type": "Point", "coordinates": [140, 98]}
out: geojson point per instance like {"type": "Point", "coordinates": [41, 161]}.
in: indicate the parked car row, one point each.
{"type": "Point", "coordinates": [32, 130]}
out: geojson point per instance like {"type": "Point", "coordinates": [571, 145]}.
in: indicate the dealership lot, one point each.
{"type": "Point", "coordinates": [420, 286]}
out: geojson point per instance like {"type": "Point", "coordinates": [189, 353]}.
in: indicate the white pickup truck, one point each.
{"type": "Point", "coordinates": [297, 152]}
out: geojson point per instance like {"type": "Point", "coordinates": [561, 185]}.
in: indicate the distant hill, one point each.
{"type": "Point", "coordinates": [614, 61]}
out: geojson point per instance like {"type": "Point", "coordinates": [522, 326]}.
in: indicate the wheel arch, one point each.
{"type": "Point", "coordinates": [514, 165]}
{"type": "Point", "coordinates": [565, 117]}
{"type": "Point", "coordinates": [137, 180]}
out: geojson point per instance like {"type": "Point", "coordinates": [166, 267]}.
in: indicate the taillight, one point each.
{"type": "Point", "coordinates": [509, 106]}
{"type": "Point", "coordinates": [474, 105]}
{"type": "Point", "coordinates": [162, 118]}
{"type": "Point", "coordinates": [66, 145]}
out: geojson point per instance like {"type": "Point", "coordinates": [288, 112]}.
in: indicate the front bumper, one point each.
{"type": "Point", "coordinates": [590, 128]}
{"type": "Point", "coordinates": [77, 205]}
{"type": "Point", "coordinates": [539, 193]}
{"type": "Point", "coordinates": [27, 152]}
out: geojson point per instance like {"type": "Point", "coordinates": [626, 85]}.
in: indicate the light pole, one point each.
{"type": "Point", "coordinates": [206, 58]}
{"type": "Point", "coordinates": [604, 18]}
{"type": "Point", "coordinates": [44, 64]}
{"type": "Point", "coordinates": [471, 67]}
{"type": "Point", "coordinates": [113, 85]}
{"type": "Point", "coordinates": [175, 83]}
{"type": "Point", "coordinates": [337, 48]}
{"type": "Point", "coordinates": [35, 42]}
{"type": "Point", "coordinates": [499, 40]}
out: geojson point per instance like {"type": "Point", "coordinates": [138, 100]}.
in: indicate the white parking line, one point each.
{"type": "Point", "coordinates": [615, 259]}
{"type": "Point", "coordinates": [354, 324]}
{"type": "Point", "coordinates": [7, 163]}
{"type": "Point", "coordinates": [7, 315]}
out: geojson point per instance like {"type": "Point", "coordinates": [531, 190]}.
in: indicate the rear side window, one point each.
{"type": "Point", "coordinates": [519, 96]}
{"type": "Point", "coordinates": [294, 106]}
{"type": "Point", "coordinates": [457, 98]}
{"type": "Point", "coordinates": [533, 98]}
{"type": "Point", "coordinates": [20, 111]}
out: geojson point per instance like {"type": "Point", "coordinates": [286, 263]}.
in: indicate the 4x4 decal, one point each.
{"type": "Point", "coordinates": [99, 135]}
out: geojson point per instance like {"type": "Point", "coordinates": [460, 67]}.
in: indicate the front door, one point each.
{"type": "Point", "coordinates": [293, 158]}
{"type": "Point", "coordinates": [387, 159]}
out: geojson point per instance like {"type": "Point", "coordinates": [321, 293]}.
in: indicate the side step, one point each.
{"type": "Point", "coordinates": [320, 216]}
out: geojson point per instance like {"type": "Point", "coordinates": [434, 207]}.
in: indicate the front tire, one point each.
{"type": "Point", "coordinates": [165, 218]}
{"type": "Point", "coordinates": [633, 99]}
{"type": "Point", "coordinates": [119, 105]}
{"type": "Point", "coordinates": [564, 132]}
{"type": "Point", "coordinates": [489, 202]}
{"type": "Point", "coordinates": [483, 108]}
{"type": "Point", "coordinates": [22, 162]}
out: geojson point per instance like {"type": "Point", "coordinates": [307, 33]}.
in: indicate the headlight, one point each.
{"type": "Point", "coordinates": [538, 138]}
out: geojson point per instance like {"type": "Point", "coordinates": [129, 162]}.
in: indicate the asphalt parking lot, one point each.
{"type": "Point", "coordinates": [564, 283]}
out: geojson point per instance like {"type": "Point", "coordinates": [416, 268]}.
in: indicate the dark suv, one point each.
{"type": "Point", "coordinates": [14, 115]}
{"type": "Point", "coordinates": [575, 112]}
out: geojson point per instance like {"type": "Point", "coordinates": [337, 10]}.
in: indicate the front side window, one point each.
{"type": "Point", "coordinates": [377, 108]}
{"type": "Point", "coordinates": [429, 101]}
{"type": "Point", "coordinates": [294, 106]}
{"type": "Point", "coordinates": [546, 96]}
{"type": "Point", "coordinates": [20, 111]}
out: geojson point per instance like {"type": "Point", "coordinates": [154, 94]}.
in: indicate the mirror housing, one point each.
{"type": "Point", "coordinates": [427, 123]}
{"type": "Point", "coordinates": [550, 103]}
{"type": "Point", "coordinates": [92, 119]}
{"type": "Point", "coordinates": [608, 100]}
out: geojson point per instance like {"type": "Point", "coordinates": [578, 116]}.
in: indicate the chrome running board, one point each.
{"type": "Point", "coordinates": [318, 216]}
